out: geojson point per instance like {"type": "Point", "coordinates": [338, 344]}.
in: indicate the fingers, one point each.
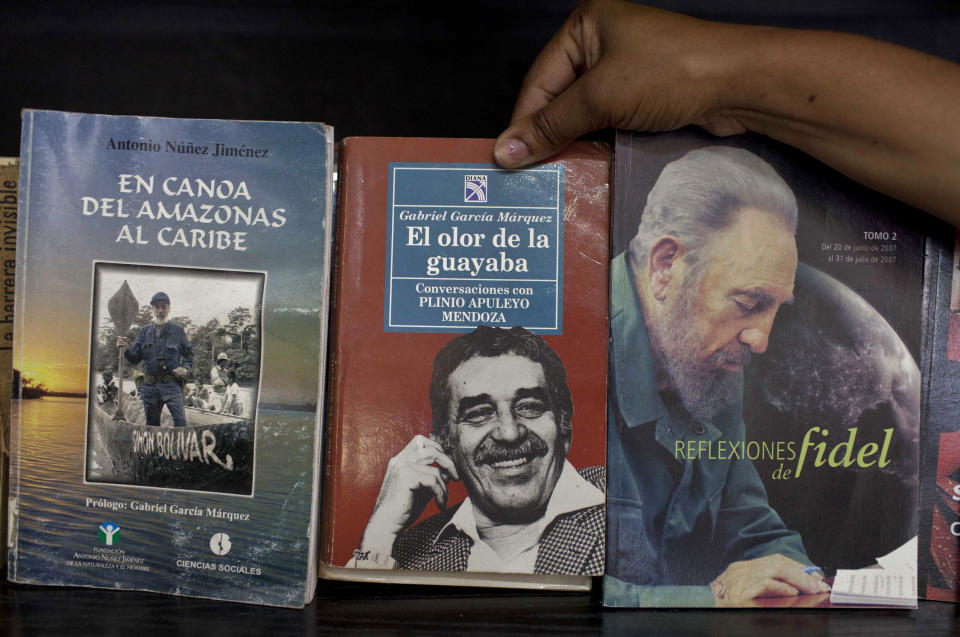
{"type": "Point", "coordinates": [549, 112]}
{"type": "Point", "coordinates": [768, 576]}
{"type": "Point", "coordinates": [792, 572]}
{"type": "Point", "coordinates": [446, 464]}
{"type": "Point", "coordinates": [547, 130]}
{"type": "Point", "coordinates": [423, 450]}
{"type": "Point", "coordinates": [430, 478]}
{"type": "Point", "coordinates": [552, 72]}
{"type": "Point", "coordinates": [774, 588]}
{"type": "Point", "coordinates": [805, 583]}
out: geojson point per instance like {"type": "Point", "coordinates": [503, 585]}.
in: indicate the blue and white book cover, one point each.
{"type": "Point", "coordinates": [170, 333]}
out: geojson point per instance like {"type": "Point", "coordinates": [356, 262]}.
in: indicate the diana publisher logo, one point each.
{"type": "Point", "coordinates": [475, 188]}
{"type": "Point", "coordinates": [109, 533]}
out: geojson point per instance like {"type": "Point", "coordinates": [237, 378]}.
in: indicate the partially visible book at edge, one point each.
{"type": "Point", "coordinates": [171, 304]}
{"type": "Point", "coordinates": [765, 388]}
{"type": "Point", "coordinates": [466, 438]}
{"type": "Point", "coordinates": [939, 537]}
{"type": "Point", "coordinates": [9, 180]}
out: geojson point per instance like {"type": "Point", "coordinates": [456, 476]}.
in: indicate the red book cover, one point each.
{"type": "Point", "coordinates": [434, 240]}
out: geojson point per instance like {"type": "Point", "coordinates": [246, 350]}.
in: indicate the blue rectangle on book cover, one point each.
{"type": "Point", "coordinates": [471, 244]}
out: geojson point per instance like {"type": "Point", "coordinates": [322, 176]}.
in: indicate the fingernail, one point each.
{"type": "Point", "coordinates": [511, 152]}
{"type": "Point", "coordinates": [824, 587]}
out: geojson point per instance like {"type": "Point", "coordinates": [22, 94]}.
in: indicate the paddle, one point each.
{"type": "Point", "coordinates": [123, 308]}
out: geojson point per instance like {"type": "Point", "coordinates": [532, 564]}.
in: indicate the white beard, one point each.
{"type": "Point", "coordinates": [703, 386]}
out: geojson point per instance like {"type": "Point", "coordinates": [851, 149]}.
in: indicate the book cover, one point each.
{"type": "Point", "coordinates": [468, 361]}
{"type": "Point", "coordinates": [765, 391]}
{"type": "Point", "coordinates": [172, 284]}
{"type": "Point", "coordinates": [939, 537]}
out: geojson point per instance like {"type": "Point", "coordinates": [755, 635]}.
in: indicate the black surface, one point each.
{"type": "Point", "coordinates": [370, 68]}
{"type": "Point", "coordinates": [343, 607]}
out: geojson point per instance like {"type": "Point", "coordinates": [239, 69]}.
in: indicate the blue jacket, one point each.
{"type": "Point", "coordinates": [673, 524]}
{"type": "Point", "coordinates": [161, 353]}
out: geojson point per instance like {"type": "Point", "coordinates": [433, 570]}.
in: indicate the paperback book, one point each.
{"type": "Point", "coordinates": [171, 303]}
{"type": "Point", "coordinates": [765, 391]}
{"type": "Point", "coordinates": [466, 439]}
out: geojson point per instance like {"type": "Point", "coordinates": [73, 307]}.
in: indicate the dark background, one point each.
{"type": "Point", "coordinates": [437, 69]}
{"type": "Point", "coordinates": [444, 69]}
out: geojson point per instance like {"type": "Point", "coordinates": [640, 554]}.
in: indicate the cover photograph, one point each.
{"type": "Point", "coordinates": [466, 439]}
{"type": "Point", "coordinates": [764, 382]}
{"type": "Point", "coordinates": [171, 303]}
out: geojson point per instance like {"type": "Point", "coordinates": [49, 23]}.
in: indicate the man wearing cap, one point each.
{"type": "Point", "coordinates": [167, 358]}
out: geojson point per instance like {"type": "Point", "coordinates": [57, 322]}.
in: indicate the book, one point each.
{"type": "Point", "coordinates": [9, 180]}
{"type": "Point", "coordinates": [171, 303]}
{"type": "Point", "coordinates": [765, 387]}
{"type": "Point", "coordinates": [469, 323]}
{"type": "Point", "coordinates": [939, 522]}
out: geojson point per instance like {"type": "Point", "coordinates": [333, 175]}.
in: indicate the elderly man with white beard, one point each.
{"type": "Point", "coordinates": [693, 298]}
{"type": "Point", "coordinates": [167, 357]}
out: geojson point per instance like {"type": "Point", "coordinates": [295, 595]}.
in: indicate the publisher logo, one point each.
{"type": "Point", "coordinates": [109, 533]}
{"type": "Point", "coordinates": [220, 543]}
{"type": "Point", "coordinates": [475, 188]}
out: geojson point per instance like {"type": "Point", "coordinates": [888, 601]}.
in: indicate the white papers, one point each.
{"type": "Point", "coordinates": [874, 586]}
{"type": "Point", "coordinates": [901, 560]}
{"type": "Point", "coordinates": [892, 583]}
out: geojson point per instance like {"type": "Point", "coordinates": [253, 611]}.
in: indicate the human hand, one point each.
{"type": "Point", "coordinates": [768, 576]}
{"type": "Point", "coordinates": [409, 484]}
{"type": "Point", "coordinates": [614, 63]}
{"type": "Point", "coordinates": [122, 341]}
{"type": "Point", "coordinates": [179, 372]}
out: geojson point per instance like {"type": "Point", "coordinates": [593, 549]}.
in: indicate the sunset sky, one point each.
{"type": "Point", "coordinates": [67, 159]}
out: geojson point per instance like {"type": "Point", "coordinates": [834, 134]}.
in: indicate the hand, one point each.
{"type": "Point", "coordinates": [768, 576]}
{"type": "Point", "coordinates": [614, 63]}
{"type": "Point", "coordinates": [122, 341]}
{"type": "Point", "coordinates": [881, 114]}
{"type": "Point", "coordinates": [409, 484]}
{"type": "Point", "coordinates": [179, 372]}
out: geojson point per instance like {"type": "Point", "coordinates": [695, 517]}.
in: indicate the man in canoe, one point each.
{"type": "Point", "coordinates": [167, 359]}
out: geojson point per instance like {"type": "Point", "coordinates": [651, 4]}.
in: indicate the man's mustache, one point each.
{"type": "Point", "coordinates": [737, 354]}
{"type": "Point", "coordinates": [491, 451]}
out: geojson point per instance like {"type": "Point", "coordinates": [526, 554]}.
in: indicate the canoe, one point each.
{"type": "Point", "coordinates": [214, 452]}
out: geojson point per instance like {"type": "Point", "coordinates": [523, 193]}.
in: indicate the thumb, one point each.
{"type": "Point", "coordinates": [544, 132]}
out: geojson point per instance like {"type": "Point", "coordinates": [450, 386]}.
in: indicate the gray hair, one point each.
{"type": "Point", "coordinates": [695, 196]}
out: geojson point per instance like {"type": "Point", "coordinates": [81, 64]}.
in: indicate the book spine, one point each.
{"type": "Point", "coordinates": [328, 217]}
{"type": "Point", "coordinates": [333, 432]}
{"type": "Point", "coordinates": [23, 215]}
{"type": "Point", "coordinates": [9, 180]}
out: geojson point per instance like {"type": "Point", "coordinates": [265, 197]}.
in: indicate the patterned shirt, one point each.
{"type": "Point", "coordinates": [572, 544]}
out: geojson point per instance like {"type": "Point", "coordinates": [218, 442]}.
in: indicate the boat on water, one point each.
{"type": "Point", "coordinates": [214, 452]}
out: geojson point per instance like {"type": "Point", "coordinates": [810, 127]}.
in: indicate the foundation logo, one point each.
{"type": "Point", "coordinates": [109, 533]}
{"type": "Point", "coordinates": [475, 188]}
